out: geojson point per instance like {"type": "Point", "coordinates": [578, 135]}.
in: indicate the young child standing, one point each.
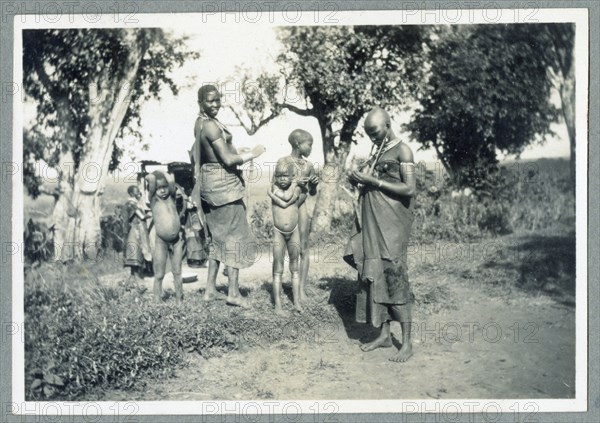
{"type": "Point", "coordinates": [306, 178]}
{"type": "Point", "coordinates": [168, 240]}
{"type": "Point", "coordinates": [285, 194]}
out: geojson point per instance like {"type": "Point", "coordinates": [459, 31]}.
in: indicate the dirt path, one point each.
{"type": "Point", "coordinates": [488, 347]}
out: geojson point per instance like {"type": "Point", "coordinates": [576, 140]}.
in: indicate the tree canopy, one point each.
{"type": "Point", "coordinates": [68, 71]}
{"type": "Point", "coordinates": [488, 89]}
{"type": "Point", "coordinates": [336, 74]}
{"type": "Point", "coordinates": [88, 86]}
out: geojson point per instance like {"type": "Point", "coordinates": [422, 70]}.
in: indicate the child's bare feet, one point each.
{"type": "Point", "coordinates": [211, 295]}
{"type": "Point", "coordinates": [238, 301]}
{"type": "Point", "coordinates": [298, 308]}
{"type": "Point", "coordinates": [404, 353]}
{"type": "Point", "coordinates": [303, 296]}
{"type": "Point", "coordinates": [382, 341]}
{"type": "Point", "coordinates": [279, 311]}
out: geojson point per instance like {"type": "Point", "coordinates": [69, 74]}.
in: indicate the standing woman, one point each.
{"type": "Point", "coordinates": [219, 188]}
{"type": "Point", "coordinates": [378, 246]}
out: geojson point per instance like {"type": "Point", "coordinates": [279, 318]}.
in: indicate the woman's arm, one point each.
{"type": "Point", "coordinates": [214, 135]}
{"type": "Point", "coordinates": [407, 188]}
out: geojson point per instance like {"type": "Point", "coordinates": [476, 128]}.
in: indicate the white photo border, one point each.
{"type": "Point", "coordinates": [579, 16]}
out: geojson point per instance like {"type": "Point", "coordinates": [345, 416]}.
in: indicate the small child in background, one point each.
{"type": "Point", "coordinates": [306, 178]}
{"type": "Point", "coordinates": [137, 245]}
{"type": "Point", "coordinates": [285, 194]}
{"type": "Point", "coordinates": [168, 240]}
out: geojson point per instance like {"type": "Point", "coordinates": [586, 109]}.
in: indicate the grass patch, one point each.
{"type": "Point", "coordinates": [83, 336]}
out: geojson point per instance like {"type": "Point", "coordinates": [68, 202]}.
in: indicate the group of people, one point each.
{"type": "Point", "coordinates": [377, 247]}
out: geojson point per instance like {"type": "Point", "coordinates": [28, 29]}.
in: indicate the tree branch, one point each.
{"type": "Point", "coordinates": [262, 123]}
{"type": "Point", "coordinates": [239, 118]}
{"type": "Point", "coordinates": [297, 110]}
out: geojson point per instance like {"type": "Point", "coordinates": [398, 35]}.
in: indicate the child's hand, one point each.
{"type": "Point", "coordinates": [302, 181]}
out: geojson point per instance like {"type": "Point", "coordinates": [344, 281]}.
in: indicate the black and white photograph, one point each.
{"type": "Point", "coordinates": [282, 211]}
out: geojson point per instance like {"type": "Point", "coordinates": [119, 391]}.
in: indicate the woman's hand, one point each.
{"type": "Point", "coordinates": [363, 178]}
{"type": "Point", "coordinates": [257, 150]}
{"type": "Point", "coordinates": [313, 180]}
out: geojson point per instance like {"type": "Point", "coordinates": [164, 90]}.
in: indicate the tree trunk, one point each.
{"type": "Point", "coordinates": [109, 99]}
{"type": "Point", "coordinates": [563, 38]}
{"type": "Point", "coordinates": [567, 96]}
{"type": "Point", "coordinates": [332, 172]}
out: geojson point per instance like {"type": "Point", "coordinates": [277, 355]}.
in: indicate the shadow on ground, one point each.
{"type": "Point", "coordinates": [342, 297]}
{"type": "Point", "coordinates": [538, 263]}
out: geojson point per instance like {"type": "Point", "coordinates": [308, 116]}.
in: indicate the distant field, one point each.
{"type": "Point", "coordinates": [115, 191]}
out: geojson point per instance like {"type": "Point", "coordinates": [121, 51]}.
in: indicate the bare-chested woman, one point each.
{"type": "Point", "coordinates": [219, 188]}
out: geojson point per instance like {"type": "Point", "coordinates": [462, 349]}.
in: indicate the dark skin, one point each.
{"type": "Point", "coordinates": [301, 142]}
{"type": "Point", "coordinates": [285, 195]}
{"type": "Point", "coordinates": [378, 128]}
{"type": "Point", "coordinates": [164, 250]}
{"type": "Point", "coordinates": [217, 148]}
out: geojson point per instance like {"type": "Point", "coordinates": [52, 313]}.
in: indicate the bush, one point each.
{"type": "Point", "coordinates": [495, 219]}
{"type": "Point", "coordinates": [112, 231]}
{"type": "Point", "coordinates": [261, 220]}
{"type": "Point", "coordinates": [518, 197]}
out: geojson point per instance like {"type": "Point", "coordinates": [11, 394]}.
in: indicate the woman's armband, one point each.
{"type": "Point", "coordinates": [217, 139]}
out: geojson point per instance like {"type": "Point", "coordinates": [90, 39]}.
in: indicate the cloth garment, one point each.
{"type": "Point", "coordinates": [231, 240]}
{"type": "Point", "coordinates": [378, 247]}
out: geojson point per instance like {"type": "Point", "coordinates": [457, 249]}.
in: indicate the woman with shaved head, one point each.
{"type": "Point", "coordinates": [219, 189]}
{"type": "Point", "coordinates": [377, 248]}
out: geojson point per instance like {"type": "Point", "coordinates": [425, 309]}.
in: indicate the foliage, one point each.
{"type": "Point", "coordinates": [560, 57]}
{"type": "Point", "coordinates": [38, 241]}
{"type": "Point", "coordinates": [261, 221]}
{"type": "Point", "coordinates": [488, 90]}
{"type": "Point", "coordinates": [336, 74]}
{"type": "Point", "coordinates": [112, 231]}
{"type": "Point", "coordinates": [63, 72]}
{"type": "Point", "coordinates": [345, 71]}
{"type": "Point", "coordinates": [522, 197]}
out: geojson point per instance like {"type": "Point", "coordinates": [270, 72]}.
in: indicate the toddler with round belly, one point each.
{"type": "Point", "coordinates": [167, 226]}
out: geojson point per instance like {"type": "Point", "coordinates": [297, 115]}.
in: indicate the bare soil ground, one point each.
{"type": "Point", "coordinates": [502, 326]}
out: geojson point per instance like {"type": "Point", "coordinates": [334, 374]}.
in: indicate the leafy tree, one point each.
{"type": "Point", "coordinates": [88, 86]}
{"type": "Point", "coordinates": [488, 89]}
{"type": "Point", "coordinates": [337, 74]}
